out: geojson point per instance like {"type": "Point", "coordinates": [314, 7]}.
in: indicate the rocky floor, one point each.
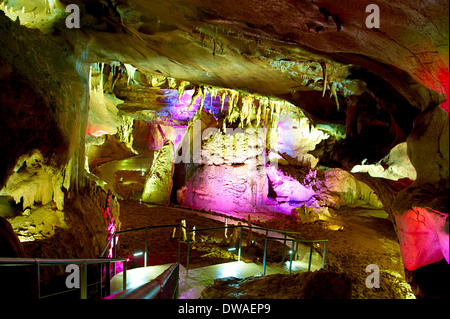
{"type": "Point", "coordinates": [364, 237]}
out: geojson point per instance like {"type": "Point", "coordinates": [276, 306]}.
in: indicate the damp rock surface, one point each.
{"type": "Point", "coordinates": [314, 285]}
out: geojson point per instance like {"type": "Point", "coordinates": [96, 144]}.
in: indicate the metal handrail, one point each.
{"type": "Point", "coordinates": [153, 289]}
{"type": "Point", "coordinates": [38, 262]}
{"type": "Point", "coordinates": [267, 230]}
{"type": "Point", "coordinates": [133, 230]}
{"type": "Point", "coordinates": [13, 261]}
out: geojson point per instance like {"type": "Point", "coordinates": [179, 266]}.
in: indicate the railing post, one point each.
{"type": "Point", "coordinates": [240, 243]}
{"type": "Point", "coordinates": [290, 258]}
{"type": "Point", "coordinates": [265, 253]}
{"type": "Point", "coordinates": [108, 279]}
{"type": "Point", "coordinates": [188, 246]}
{"type": "Point", "coordinates": [284, 248]}
{"type": "Point", "coordinates": [179, 244]}
{"type": "Point", "coordinates": [37, 288]}
{"type": "Point", "coordinates": [114, 252]}
{"type": "Point", "coordinates": [146, 247]}
{"type": "Point", "coordinates": [83, 281]}
{"type": "Point", "coordinates": [101, 280]}
{"type": "Point", "coordinates": [177, 280]}
{"type": "Point", "coordinates": [310, 255]}
{"type": "Point", "coordinates": [324, 251]}
{"type": "Point", "coordinates": [124, 283]}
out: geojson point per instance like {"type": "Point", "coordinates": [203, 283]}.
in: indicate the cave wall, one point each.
{"type": "Point", "coordinates": [421, 210]}
{"type": "Point", "coordinates": [44, 104]}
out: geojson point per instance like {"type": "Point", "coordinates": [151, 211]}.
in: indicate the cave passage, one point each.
{"type": "Point", "coordinates": [293, 117]}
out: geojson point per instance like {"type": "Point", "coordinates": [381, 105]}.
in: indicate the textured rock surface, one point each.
{"type": "Point", "coordinates": [349, 189]}
{"type": "Point", "coordinates": [397, 162]}
{"type": "Point", "coordinates": [17, 279]}
{"type": "Point", "coordinates": [35, 182]}
{"type": "Point", "coordinates": [158, 185]}
{"type": "Point", "coordinates": [39, 223]}
{"type": "Point", "coordinates": [226, 188]}
{"type": "Point", "coordinates": [384, 86]}
{"type": "Point", "coordinates": [306, 214]}
{"type": "Point", "coordinates": [313, 285]}
{"type": "Point", "coordinates": [421, 210]}
{"type": "Point", "coordinates": [286, 188]}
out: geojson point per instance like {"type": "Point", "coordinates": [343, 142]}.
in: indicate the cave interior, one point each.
{"type": "Point", "coordinates": [290, 115]}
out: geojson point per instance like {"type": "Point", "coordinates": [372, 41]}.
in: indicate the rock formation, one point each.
{"type": "Point", "coordinates": [327, 94]}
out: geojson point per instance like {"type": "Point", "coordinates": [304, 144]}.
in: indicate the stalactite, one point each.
{"type": "Point", "coordinates": [181, 88]}
{"type": "Point", "coordinates": [195, 96]}
{"type": "Point", "coordinates": [324, 70]}
{"type": "Point", "coordinates": [271, 110]}
{"type": "Point", "coordinates": [224, 95]}
{"type": "Point", "coordinates": [130, 72]}
{"type": "Point", "coordinates": [231, 98]}
{"type": "Point", "coordinates": [100, 85]}
{"type": "Point", "coordinates": [266, 117]}
{"type": "Point", "coordinates": [171, 82]}
{"type": "Point", "coordinates": [202, 98]}
{"type": "Point", "coordinates": [258, 114]}
{"type": "Point", "coordinates": [333, 92]}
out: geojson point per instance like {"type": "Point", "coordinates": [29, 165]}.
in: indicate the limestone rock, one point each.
{"type": "Point", "coordinates": [33, 181]}
{"type": "Point", "coordinates": [16, 281]}
{"type": "Point", "coordinates": [158, 185]}
{"type": "Point", "coordinates": [234, 147]}
{"type": "Point", "coordinates": [423, 236]}
{"type": "Point", "coordinates": [297, 137]}
{"type": "Point", "coordinates": [225, 188]}
{"type": "Point", "coordinates": [38, 223]}
{"type": "Point", "coordinates": [10, 245]}
{"type": "Point", "coordinates": [306, 214]}
{"type": "Point", "coordinates": [342, 183]}
{"type": "Point", "coordinates": [308, 285]}
{"type": "Point", "coordinates": [399, 165]}
{"type": "Point", "coordinates": [288, 187]}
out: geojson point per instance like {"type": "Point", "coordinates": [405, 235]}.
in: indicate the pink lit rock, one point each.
{"type": "Point", "coordinates": [423, 235]}
{"type": "Point", "coordinates": [349, 189]}
{"type": "Point", "coordinates": [288, 187]}
{"type": "Point", "coordinates": [225, 188]}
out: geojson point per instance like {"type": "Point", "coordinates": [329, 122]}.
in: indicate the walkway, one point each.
{"type": "Point", "coordinates": [191, 284]}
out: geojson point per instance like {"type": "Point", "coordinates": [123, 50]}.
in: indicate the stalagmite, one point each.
{"type": "Point", "coordinates": [183, 230]}
{"type": "Point", "coordinates": [193, 234]}
{"type": "Point", "coordinates": [159, 182]}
